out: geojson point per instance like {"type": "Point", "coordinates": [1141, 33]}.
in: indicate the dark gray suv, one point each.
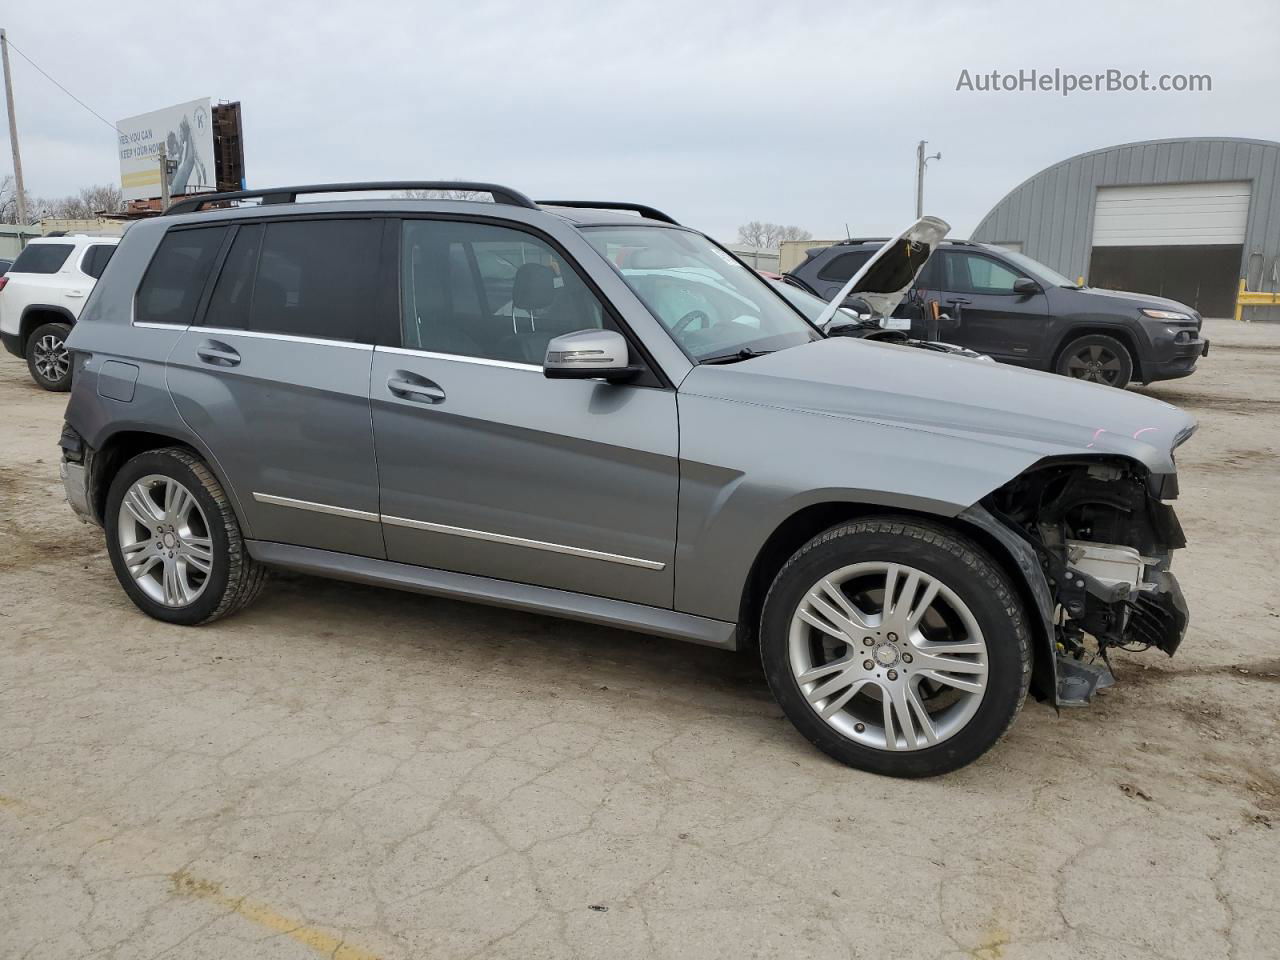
{"type": "Point", "coordinates": [1019, 311]}
{"type": "Point", "coordinates": [587, 410]}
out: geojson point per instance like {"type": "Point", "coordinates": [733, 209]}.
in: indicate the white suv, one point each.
{"type": "Point", "coordinates": [42, 295]}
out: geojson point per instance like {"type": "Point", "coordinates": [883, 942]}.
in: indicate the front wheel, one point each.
{"type": "Point", "coordinates": [47, 357]}
{"type": "Point", "coordinates": [1097, 358]}
{"type": "Point", "coordinates": [896, 646]}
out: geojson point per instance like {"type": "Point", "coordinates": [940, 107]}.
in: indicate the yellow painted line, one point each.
{"type": "Point", "coordinates": [319, 941]}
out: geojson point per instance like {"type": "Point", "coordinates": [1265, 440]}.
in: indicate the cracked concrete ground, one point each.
{"type": "Point", "coordinates": [354, 773]}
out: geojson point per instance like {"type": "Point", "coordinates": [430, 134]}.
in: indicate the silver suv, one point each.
{"type": "Point", "coordinates": [587, 410]}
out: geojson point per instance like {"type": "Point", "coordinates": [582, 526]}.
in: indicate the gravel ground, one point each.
{"type": "Point", "coordinates": [354, 773]}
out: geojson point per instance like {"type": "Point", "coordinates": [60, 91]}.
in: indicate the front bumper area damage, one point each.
{"type": "Point", "coordinates": [1104, 537]}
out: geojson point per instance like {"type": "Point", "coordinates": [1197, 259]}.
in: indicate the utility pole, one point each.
{"type": "Point", "coordinates": [921, 162]}
{"type": "Point", "coordinates": [167, 167]}
{"type": "Point", "coordinates": [13, 132]}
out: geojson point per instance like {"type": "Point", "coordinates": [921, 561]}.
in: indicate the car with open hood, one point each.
{"type": "Point", "coordinates": [585, 409]}
{"type": "Point", "coordinates": [1019, 311]}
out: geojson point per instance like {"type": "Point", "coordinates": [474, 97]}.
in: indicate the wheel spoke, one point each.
{"type": "Point", "coordinates": [824, 670]}
{"type": "Point", "coordinates": [177, 503]}
{"type": "Point", "coordinates": [198, 551]}
{"type": "Point", "coordinates": [968, 686]}
{"type": "Point", "coordinates": [921, 607]}
{"type": "Point", "coordinates": [1095, 352]}
{"type": "Point", "coordinates": [176, 592]}
{"type": "Point", "coordinates": [822, 691]}
{"type": "Point", "coordinates": [142, 567]}
{"type": "Point", "coordinates": [142, 507]}
{"type": "Point", "coordinates": [856, 616]}
{"type": "Point", "coordinates": [837, 704]}
{"type": "Point", "coordinates": [898, 701]}
{"type": "Point", "coordinates": [826, 617]}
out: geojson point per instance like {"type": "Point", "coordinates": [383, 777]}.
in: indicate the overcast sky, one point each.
{"type": "Point", "coordinates": [718, 112]}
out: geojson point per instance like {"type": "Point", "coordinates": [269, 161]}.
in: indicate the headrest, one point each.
{"type": "Point", "coordinates": [535, 287]}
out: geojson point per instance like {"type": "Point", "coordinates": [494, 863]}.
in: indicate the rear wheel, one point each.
{"type": "Point", "coordinates": [1099, 359]}
{"type": "Point", "coordinates": [47, 356]}
{"type": "Point", "coordinates": [174, 541]}
{"type": "Point", "coordinates": [896, 646]}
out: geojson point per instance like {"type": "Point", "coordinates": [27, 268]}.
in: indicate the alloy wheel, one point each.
{"type": "Point", "coordinates": [51, 357]}
{"type": "Point", "coordinates": [1095, 363]}
{"type": "Point", "coordinates": [888, 655]}
{"type": "Point", "coordinates": [165, 540]}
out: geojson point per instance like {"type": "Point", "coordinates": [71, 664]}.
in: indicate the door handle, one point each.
{"type": "Point", "coordinates": [409, 386]}
{"type": "Point", "coordinates": [218, 354]}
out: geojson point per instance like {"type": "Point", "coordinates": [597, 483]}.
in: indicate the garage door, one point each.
{"type": "Point", "coordinates": [1171, 214]}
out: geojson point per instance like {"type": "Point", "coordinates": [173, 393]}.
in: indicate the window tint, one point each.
{"type": "Point", "coordinates": [229, 304]}
{"type": "Point", "coordinates": [478, 290]}
{"type": "Point", "coordinates": [974, 273]}
{"type": "Point", "coordinates": [96, 258]}
{"type": "Point", "coordinates": [841, 268]}
{"type": "Point", "coordinates": [42, 258]}
{"type": "Point", "coordinates": [175, 280]}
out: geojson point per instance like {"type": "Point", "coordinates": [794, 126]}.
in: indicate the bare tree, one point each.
{"type": "Point", "coordinates": [90, 202]}
{"type": "Point", "coordinates": [768, 236]}
{"type": "Point", "coordinates": [9, 203]}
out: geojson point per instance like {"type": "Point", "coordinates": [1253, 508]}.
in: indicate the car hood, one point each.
{"type": "Point", "coordinates": [892, 270]}
{"type": "Point", "coordinates": [1137, 300]}
{"type": "Point", "coordinates": [1039, 413]}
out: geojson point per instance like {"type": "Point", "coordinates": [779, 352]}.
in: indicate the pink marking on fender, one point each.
{"type": "Point", "coordinates": [1143, 430]}
{"type": "Point", "coordinates": [1096, 434]}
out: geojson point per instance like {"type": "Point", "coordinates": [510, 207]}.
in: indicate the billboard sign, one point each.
{"type": "Point", "coordinates": [185, 133]}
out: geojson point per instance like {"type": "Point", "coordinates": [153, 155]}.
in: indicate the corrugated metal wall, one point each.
{"type": "Point", "coordinates": [1051, 214]}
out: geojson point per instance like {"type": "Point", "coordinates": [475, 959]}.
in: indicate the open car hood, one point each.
{"type": "Point", "coordinates": [885, 279]}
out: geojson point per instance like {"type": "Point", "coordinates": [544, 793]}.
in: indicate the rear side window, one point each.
{"type": "Point", "coordinates": [171, 289]}
{"type": "Point", "coordinates": [311, 278]}
{"type": "Point", "coordinates": [42, 258]}
{"type": "Point", "coordinates": [841, 268]}
{"type": "Point", "coordinates": [96, 257]}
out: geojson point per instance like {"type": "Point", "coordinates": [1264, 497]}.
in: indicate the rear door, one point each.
{"type": "Point", "coordinates": [489, 468]}
{"type": "Point", "coordinates": [992, 317]}
{"type": "Point", "coordinates": [273, 375]}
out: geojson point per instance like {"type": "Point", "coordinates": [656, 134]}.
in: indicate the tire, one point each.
{"type": "Point", "coordinates": [47, 357]}
{"type": "Point", "coordinates": [974, 606]}
{"type": "Point", "coordinates": [1098, 359]}
{"type": "Point", "coordinates": [197, 567]}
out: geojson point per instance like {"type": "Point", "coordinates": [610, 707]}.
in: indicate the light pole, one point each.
{"type": "Point", "coordinates": [921, 162]}
{"type": "Point", "coordinates": [13, 134]}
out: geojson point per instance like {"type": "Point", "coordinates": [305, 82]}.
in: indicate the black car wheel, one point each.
{"type": "Point", "coordinates": [47, 357]}
{"type": "Point", "coordinates": [1097, 358]}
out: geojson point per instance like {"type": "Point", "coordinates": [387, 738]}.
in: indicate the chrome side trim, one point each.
{"type": "Point", "coordinates": [148, 325]}
{"type": "Point", "coordinates": [522, 542]}
{"type": "Point", "coordinates": [315, 507]}
{"type": "Point", "coordinates": [501, 593]}
{"type": "Point", "coordinates": [458, 358]}
{"type": "Point", "coordinates": [286, 337]}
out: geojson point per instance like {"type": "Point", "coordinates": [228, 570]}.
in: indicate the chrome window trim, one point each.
{"type": "Point", "coordinates": [287, 337]}
{"type": "Point", "coordinates": [460, 358]}
{"type": "Point", "coordinates": [347, 512]}
{"type": "Point", "coordinates": [149, 325]}
{"type": "Point", "coordinates": [522, 542]}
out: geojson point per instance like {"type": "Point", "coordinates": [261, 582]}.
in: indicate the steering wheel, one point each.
{"type": "Point", "coordinates": [688, 318]}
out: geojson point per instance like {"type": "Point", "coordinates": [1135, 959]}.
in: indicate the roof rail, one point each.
{"type": "Point", "coordinates": [653, 213]}
{"type": "Point", "coordinates": [499, 193]}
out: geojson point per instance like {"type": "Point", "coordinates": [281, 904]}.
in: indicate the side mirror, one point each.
{"type": "Point", "coordinates": [1025, 286]}
{"type": "Point", "coordinates": [589, 355]}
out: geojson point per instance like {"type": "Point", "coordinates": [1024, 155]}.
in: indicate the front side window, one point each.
{"type": "Point", "coordinates": [479, 290]}
{"type": "Point", "coordinates": [42, 258]}
{"type": "Point", "coordinates": [176, 277]}
{"type": "Point", "coordinates": [974, 273]}
{"type": "Point", "coordinates": [713, 306]}
{"type": "Point", "coordinates": [309, 278]}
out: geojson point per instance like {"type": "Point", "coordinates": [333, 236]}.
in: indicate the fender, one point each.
{"type": "Point", "coordinates": [27, 323]}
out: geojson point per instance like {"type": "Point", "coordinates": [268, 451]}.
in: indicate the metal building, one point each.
{"type": "Point", "coordinates": [1186, 219]}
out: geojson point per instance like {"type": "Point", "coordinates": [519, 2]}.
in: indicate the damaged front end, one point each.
{"type": "Point", "coordinates": [1104, 536]}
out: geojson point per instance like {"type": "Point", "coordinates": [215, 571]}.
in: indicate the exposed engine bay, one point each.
{"type": "Point", "coordinates": [1105, 537]}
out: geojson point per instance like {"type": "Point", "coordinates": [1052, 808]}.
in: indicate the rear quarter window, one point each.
{"type": "Point", "coordinates": [42, 258]}
{"type": "Point", "coordinates": [96, 258]}
{"type": "Point", "coordinates": [175, 280]}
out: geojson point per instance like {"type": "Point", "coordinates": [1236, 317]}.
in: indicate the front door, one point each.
{"type": "Point", "coordinates": [989, 315]}
{"type": "Point", "coordinates": [274, 378]}
{"type": "Point", "coordinates": [489, 468]}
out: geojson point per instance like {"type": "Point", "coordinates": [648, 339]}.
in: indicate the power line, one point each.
{"type": "Point", "coordinates": [62, 88]}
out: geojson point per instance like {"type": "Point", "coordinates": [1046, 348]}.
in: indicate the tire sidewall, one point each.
{"type": "Point", "coordinates": [1003, 626]}
{"type": "Point", "coordinates": [62, 330]}
{"type": "Point", "coordinates": [167, 465]}
{"type": "Point", "coordinates": [1102, 340]}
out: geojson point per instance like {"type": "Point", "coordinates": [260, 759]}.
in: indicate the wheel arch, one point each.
{"type": "Point", "coordinates": [1121, 333]}
{"type": "Point", "coordinates": [121, 446]}
{"type": "Point", "coordinates": [974, 523]}
{"type": "Point", "coordinates": [36, 314]}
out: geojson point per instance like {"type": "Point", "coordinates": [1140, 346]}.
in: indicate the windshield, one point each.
{"type": "Point", "coordinates": [808, 304]}
{"type": "Point", "coordinates": [1038, 269]}
{"type": "Point", "coordinates": [711, 304]}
